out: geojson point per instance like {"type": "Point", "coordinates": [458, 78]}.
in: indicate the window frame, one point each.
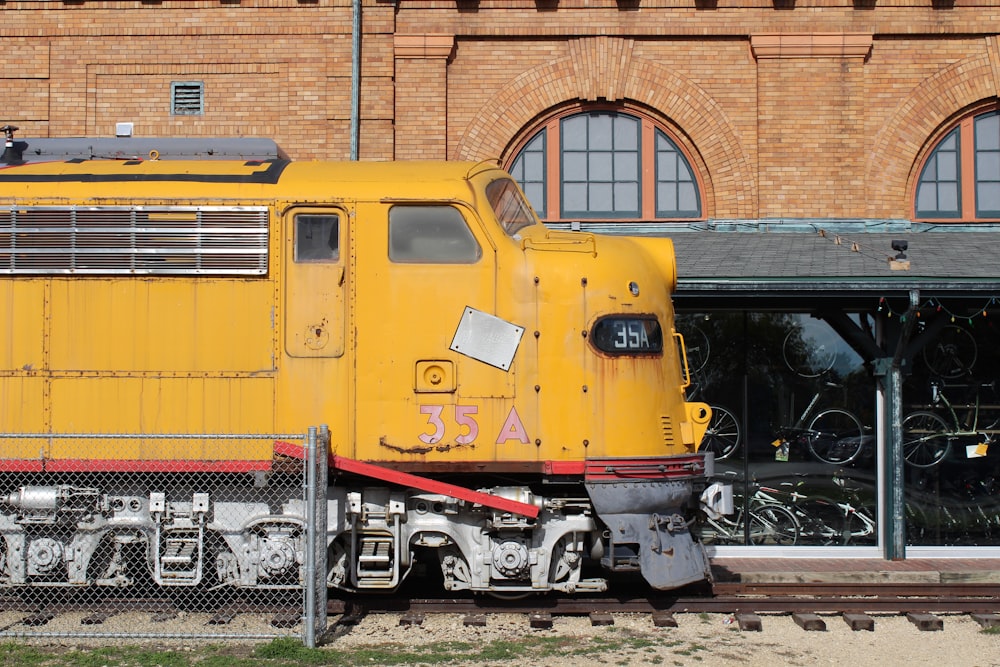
{"type": "Point", "coordinates": [968, 181]}
{"type": "Point", "coordinates": [549, 131]}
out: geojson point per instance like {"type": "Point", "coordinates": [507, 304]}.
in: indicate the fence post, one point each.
{"type": "Point", "coordinates": [319, 528]}
{"type": "Point", "coordinates": [309, 480]}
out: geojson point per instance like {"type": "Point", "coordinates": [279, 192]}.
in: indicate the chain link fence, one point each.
{"type": "Point", "coordinates": [106, 548]}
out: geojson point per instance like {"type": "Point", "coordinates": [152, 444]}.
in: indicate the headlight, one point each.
{"type": "Point", "coordinates": [628, 335]}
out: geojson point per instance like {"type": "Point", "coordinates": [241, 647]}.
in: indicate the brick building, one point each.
{"type": "Point", "coordinates": [815, 133]}
{"type": "Point", "coordinates": [762, 97]}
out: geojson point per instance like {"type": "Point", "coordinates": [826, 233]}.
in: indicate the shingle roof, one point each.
{"type": "Point", "coordinates": [823, 255]}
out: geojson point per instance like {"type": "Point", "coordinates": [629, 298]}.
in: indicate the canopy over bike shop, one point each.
{"type": "Point", "coordinates": [853, 370]}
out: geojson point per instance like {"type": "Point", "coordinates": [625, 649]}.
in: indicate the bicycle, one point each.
{"type": "Point", "coordinates": [827, 522]}
{"type": "Point", "coordinates": [833, 436]}
{"type": "Point", "coordinates": [928, 437]}
{"type": "Point", "coordinates": [769, 523]}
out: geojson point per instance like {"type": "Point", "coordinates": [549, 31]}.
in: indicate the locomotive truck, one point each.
{"type": "Point", "coordinates": [505, 402]}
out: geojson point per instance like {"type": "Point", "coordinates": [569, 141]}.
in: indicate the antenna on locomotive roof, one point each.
{"type": "Point", "coordinates": [11, 153]}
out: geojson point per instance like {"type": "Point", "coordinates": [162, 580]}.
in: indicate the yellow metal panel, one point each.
{"type": "Point", "coordinates": [314, 391]}
{"type": "Point", "coordinates": [163, 405]}
{"type": "Point", "coordinates": [181, 325]}
{"type": "Point", "coordinates": [22, 307]}
{"type": "Point", "coordinates": [22, 411]}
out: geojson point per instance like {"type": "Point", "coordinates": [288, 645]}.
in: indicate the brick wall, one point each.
{"type": "Point", "coordinates": [821, 110]}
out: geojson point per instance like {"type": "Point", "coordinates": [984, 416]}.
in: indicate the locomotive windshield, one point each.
{"type": "Point", "coordinates": [512, 210]}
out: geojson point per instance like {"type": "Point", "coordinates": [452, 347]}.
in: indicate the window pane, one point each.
{"type": "Point", "coordinates": [666, 196]}
{"type": "Point", "coordinates": [688, 195]}
{"type": "Point", "coordinates": [599, 133]}
{"type": "Point", "coordinates": [947, 197]}
{"type": "Point", "coordinates": [947, 166]}
{"type": "Point", "coordinates": [574, 166]}
{"type": "Point", "coordinates": [626, 167]}
{"type": "Point", "coordinates": [509, 206]}
{"type": "Point", "coordinates": [988, 132]}
{"type": "Point", "coordinates": [627, 197]}
{"type": "Point", "coordinates": [317, 238]}
{"type": "Point", "coordinates": [534, 166]}
{"type": "Point", "coordinates": [575, 197]}
{"type": "Point", "coordinates": [535, 192]}
{"type": "Point", "coordinates": [574, 133]}
{"type": "Point", "coordinates": [988, 165]}
{"type": "Point", "coordinates": [926, 197]}
{"type": "Point", "coordinates": [666, 164]}
{"type": "Point", "coordinates": [988, 195]}
{"type": "Point", "coordinates": [626, 133]}
{"type": "Point", "coordinates": [430, 234]}
{"type": "Point", "coordinates": [600, 167]}
{"type": "Point", "coordinates": [600, 197]}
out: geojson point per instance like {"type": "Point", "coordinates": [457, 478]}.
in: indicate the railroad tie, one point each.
{"type": "Point", "coordinates": [987, 620]}
{"type": "Point", "coordinates": [809, 621]}
{"type": "Point", "coordinates": [859, 622]}
{"type": "Point", "coordinates": [541, 620]}
{"type": "Point", "coordinates": [664, 619]}
{"type": "Point", "coordinates": [749, 622]}
{"type": "Point", "coordinates": [925, 622]}
{"type": "Point", "coordinates": [474, 621]}
{"type": "Point", "coordinates": [411, 618]}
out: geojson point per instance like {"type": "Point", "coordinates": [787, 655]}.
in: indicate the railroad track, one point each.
{"type": "Point", "coordinates": [744, 601]}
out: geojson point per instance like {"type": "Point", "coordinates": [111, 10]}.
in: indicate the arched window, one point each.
{"type": "Point", "coordinates": [606, 165]}
{"type": "Point", "coordinates": [960, 179]}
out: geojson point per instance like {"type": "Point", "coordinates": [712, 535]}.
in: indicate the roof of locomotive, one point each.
{"type": "Point", "coordinates": [240, 179]}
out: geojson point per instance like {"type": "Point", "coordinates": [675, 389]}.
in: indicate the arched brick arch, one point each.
{"type": "Point", "coordinates": [535, 91]}
{"type": "Point", "coordinates": [892, 163]}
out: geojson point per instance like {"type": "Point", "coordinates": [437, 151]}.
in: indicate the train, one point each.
{"type": "Point", "coordinates": [504, 403]}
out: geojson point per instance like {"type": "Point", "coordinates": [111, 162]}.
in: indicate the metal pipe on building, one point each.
{"type": "Point", "coordinates": [355, 78]}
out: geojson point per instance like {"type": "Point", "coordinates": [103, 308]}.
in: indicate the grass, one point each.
{"type": "Point", "coordinates": [290, 652]}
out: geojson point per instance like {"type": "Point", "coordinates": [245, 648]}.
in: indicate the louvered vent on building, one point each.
{"type": "Point", "coordinates": [139, 240]}
{"type": "Point", "coordinates": [187, 98]}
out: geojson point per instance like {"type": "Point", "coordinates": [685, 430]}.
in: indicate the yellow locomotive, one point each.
{"type": "Point", "coordinates": [503, 399]}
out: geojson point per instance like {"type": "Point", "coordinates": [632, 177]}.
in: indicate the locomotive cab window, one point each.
{"type": "Point", "coordinates": [317, 238]}
{"type": "Point", "coordinates": [510, 207]}
{"type": "Point", "coordinates": [431, 235]}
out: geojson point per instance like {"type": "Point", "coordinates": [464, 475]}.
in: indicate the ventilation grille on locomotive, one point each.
{"type": "Point", "coordinates": [109, 240]}
{"type": "Point", "coordinates": [668, 429]}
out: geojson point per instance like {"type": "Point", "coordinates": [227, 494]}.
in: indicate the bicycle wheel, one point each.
{"type": "Point", "coordinates": [773, 524]}
{"type": "Point", "coordinates": [723, 435]}
{"type": "Point", "coordinates": [926, 439]}
{"type": "Point", "coordinates": [821, 521]}
{"type": "Point", "coordinates": [811, 354]}
{"type": "Point", "coordinates": [698, 349]}
{"type": "Point", "coordinates": [835, 436]}
{"type": "Point", "coordinates": [953, 354]}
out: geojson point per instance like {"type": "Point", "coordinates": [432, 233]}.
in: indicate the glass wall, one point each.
{"type": "Point", "coordinates": [792, 427]}
{"type": "Point", "coordinates": [951, 418]}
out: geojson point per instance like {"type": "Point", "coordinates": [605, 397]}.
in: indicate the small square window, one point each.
{"type": "Point", "coordinates": [187, 98]}
{"type": "Point", "coordinates": [317, 238]}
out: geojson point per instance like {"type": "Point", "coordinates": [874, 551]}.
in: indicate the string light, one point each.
{"type": "Point", "coordinates": [938, 307]}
